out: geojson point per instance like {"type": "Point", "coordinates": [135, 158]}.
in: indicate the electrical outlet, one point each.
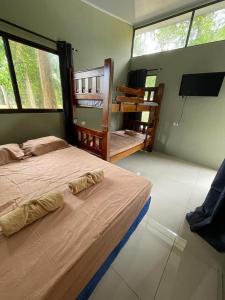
{"type": "Point", "coordinates": [83, 123]}
{"type": "Point", "coordinates": [176, 124]}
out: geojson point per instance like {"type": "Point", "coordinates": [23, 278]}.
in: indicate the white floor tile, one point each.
{"type": "Point", "coordinates": [175, 191]}
{"type": "Point", "coordinates": [200, 249]}
{"type": "Point", "coordinates": [187, 278]}
{"type": "Point", "coordinates": [143, 259]}
{"type": "Point", "coordinates": [112, 287]}
{"type": "Point", "coordinates": [163, 259]}
{"type": "Point", "coordinates": [167, 213]}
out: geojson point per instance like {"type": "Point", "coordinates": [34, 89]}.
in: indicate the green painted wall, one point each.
{"type": "Point", "coordinates": [21, 127]}
{"type": "Point", "coordinates": [200, 137]}
{"type": "Point", "coordinates": [96, 36]}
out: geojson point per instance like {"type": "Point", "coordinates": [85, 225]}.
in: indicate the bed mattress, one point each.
{"type": "Point", "coordinates": [55, 257]}
{"type": "Point", "coordinates": [119, 141]}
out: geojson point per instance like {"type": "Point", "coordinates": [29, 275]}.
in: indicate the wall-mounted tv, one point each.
{"type": "Point", "coordinates": [202, 84]}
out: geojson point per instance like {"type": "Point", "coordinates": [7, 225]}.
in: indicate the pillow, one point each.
{"type": "Point", "coordinates": [43, 145]}
{"type": "Point", "coordinates": [130, 132]}
{"type": "Point", "coordinates": [10, 152]}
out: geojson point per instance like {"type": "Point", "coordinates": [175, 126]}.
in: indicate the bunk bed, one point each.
{"type": "Point", "coordinates": [93, 88]}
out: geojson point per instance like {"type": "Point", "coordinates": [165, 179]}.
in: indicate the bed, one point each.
{"type": "Point", "coordinates": [93, 88]}
{"type": "Point", "coordinates": [59, 256]}
{"type": "Point", "coordinates": [120, 143]}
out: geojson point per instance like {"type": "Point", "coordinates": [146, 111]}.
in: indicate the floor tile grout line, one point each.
{"type": "Point", "coordinates": [164, 269]}
{"type": "Point", "coordinates": [126, 282]}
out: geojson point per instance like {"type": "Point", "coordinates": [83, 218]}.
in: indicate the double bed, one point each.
{"type": "Point", "coordinates": [58, 256]}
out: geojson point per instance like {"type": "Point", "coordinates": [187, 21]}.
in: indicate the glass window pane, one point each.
{"type": "Point", "coordinates": [162, 36]}
{"type": "Point", "coordinates": [38, 77]}
{"type": "Point", "coordinates": [208, 25]}
{"type": "Point", "coordinates": [7, 97]}
{"type": "Point", "coordinates": [150, 82]}
{"type": "Point", "coordinates": [144, 116]}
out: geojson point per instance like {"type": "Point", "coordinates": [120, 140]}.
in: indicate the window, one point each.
{"type": "Point", "coordinates": [29, 77]}
{"type": "Point", "coordinates": [7, 98]}
{"type": "Point", "coordinates": [208, 25]}
{"type": "Point", "coordinates": [163, 36]}
{"type": "Point", "coordinates": [198, 26]}
{"type": "Point", "coordinates": [149, 82]}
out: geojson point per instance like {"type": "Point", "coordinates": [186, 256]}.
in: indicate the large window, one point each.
{"type": "Point", "coordinates": [29, 77]}
{"type": "Point", "coordinates": [163, 36]}
{"type": "Point", "coordinates": [203, 25]}
{"type": "Point", "coordinates": [208, 25]}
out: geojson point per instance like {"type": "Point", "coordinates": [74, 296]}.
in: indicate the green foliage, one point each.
{"type": "Point", "coordinates": [173, 36]}
{"type": "Point", "coordinates": [7, 99]}
{"type": "Point", "coordinates": [206, 27]}
{"type": "Point", "coordinates": [27, 68]}
{"type": "Point", "coordinates": [25, 64]}
{"type": "Point", "coordinates": [150, 80]}
{"type": "Point", "coordinates": [37, 79]}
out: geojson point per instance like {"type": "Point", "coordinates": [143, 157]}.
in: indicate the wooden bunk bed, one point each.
{"type": "Point", "coordinates": [93, 88]}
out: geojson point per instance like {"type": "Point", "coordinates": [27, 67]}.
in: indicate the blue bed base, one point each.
{"type": "Point", "coordinates": [89, 288]}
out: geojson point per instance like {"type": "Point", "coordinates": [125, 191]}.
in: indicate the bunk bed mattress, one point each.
{"type": "Point", "coordinates": [120, 141]}
{"type": "Point", "coordinates": [55, 257]}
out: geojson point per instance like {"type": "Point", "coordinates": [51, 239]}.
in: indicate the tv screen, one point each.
{"type": "Point", "coordinates": [202, 84]}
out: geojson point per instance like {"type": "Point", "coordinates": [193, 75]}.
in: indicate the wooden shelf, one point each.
{"type": "Point", "coordinates": [127, 107]}
{"type": "Point", "coordinates": [115, 107]}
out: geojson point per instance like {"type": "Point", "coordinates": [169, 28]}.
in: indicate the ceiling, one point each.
{"type": "Point", "coordinates": [137, 12]}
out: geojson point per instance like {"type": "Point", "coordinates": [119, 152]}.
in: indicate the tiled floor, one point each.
{"type": "Point", "coordinates": [163, 260]}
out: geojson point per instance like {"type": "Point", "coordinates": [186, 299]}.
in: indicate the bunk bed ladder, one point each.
{"type": "Point", "coordinates": [154, 112]}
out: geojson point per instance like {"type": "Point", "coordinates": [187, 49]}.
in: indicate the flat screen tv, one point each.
{"type": "Point", "coordinates": [202, 84]}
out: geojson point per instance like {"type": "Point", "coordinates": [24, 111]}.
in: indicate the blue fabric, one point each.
{"type": "Point", "coordinates": [87, 291]}
{"type": "Point", "coordinates": [208, 219]}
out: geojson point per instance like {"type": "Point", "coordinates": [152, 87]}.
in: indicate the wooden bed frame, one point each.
{"type": "Point", "coordinates": [95, 85]}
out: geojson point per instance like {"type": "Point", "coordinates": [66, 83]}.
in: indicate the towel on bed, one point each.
{"type": "Point", "coordinates": [85, 181]}
{"type": "Point", "coordinates": [29, 212]}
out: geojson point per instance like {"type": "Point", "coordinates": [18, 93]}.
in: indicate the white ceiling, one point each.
{"type": "Point", "coordinates": [137, 12]}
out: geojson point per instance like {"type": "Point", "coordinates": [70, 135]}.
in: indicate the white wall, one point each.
{"type": "Point", "coordinates": [200, 137]}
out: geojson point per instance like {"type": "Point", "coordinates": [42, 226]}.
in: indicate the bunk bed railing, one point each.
{"type": "Point", "coordinates": [91, 140]}
{"type": "Point", "coordinates": [94, 86]}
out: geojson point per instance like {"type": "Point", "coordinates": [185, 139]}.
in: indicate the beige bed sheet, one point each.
{"type": "Point", "coordinates": [55, 257]}
{"type": "Point", "coordinates": [119, 141]}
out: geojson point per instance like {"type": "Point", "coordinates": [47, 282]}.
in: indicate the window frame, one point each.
{"type": "Point", "coordinates": [6, 37]}
{"type": "Point", "coordinates": [192, 10]}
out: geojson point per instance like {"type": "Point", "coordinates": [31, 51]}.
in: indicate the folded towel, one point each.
{"type": "Point", "coordinates": [130, 132]}
{"type": "Point", "coordinates": [30, 212]}
{"type": "Point", "coordinates": [85, 181]}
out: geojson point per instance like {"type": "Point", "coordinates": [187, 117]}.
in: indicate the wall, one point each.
{"type": "Point", "coordinates": [200, 136]}
{"type": "Point", "coordinates": [21, 127]}
{"type": "Point", "coordinates": [94, 34]}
